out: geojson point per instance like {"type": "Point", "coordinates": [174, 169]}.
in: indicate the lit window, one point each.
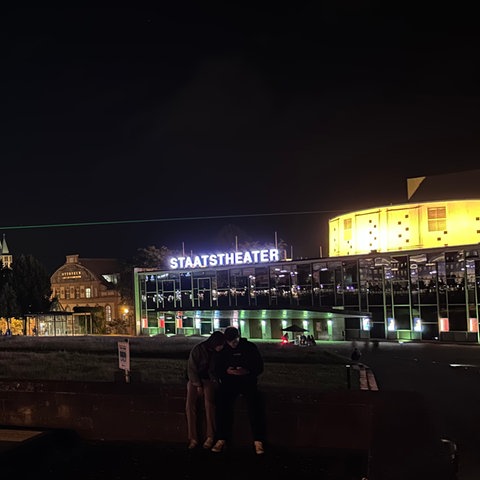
{"type": "Point", "coordinates": [347, 229]}
{"type": "Point", "coordinates": [437, 219]}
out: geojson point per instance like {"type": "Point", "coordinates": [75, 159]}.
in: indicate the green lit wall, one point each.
{"type": "Point", "coordinates": [405, 227]}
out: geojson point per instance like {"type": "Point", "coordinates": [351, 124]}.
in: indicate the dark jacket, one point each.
{"type": "Point", "coordinates": [246, 355]}
{"type": "Point", "coordinates": [200, 363]}
{"type": "Point", "coordinates": [356, 355]}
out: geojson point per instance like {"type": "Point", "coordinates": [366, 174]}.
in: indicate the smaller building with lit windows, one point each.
{"type": "Point", "coordinates": [90, 285]}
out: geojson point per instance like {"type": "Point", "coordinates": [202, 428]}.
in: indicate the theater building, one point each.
{"type": "Point", "coordinates": [255, 291]}
{"type": "Point", "coordinates": [409, 271]}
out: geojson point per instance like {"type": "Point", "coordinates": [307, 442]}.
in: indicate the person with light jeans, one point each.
{"type": "Point", "coordinates": [202, 385]}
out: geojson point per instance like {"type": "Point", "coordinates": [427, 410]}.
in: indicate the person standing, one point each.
{"type": "Point", "coordinates": [237, 368]}
{"type": "Point", "coordinates": [202, 385]}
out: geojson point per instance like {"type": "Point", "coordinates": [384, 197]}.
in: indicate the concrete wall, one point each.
{"type": "Point", "coordinates": [390, 430]}
{"type": "Point", "coordinates": [140, 412]}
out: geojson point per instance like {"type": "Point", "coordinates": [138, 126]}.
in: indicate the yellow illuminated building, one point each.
{"type": "Point", "coordinates": [410, 226]}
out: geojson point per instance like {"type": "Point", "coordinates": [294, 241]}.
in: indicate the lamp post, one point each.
{"type": "Point", "coordinates": [125, 318]}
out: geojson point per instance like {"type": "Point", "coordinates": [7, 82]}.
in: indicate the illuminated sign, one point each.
{"type": "Point", "coordinates": [70, 275]}
{"type": "Point", "coordinates": [225, 259]}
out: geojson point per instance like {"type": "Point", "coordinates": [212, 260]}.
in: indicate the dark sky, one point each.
{"type": "Point", "coordinates": [204, 109]}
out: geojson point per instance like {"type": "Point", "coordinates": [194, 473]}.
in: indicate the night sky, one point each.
{"type": "Point", "coordinates": [267, 118]}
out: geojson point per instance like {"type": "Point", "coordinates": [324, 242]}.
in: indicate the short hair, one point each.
{"type": "Point", "coordinates": [217, 338]}
{"type": "Point", "coordinates": [231, 333]}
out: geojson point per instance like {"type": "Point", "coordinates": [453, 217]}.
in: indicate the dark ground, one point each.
{"type": "Point", "coordinates": [69, 458]}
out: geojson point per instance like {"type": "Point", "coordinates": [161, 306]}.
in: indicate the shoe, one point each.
{"type": "Point", "coordinates": [192, 444]}
{"type": "Point", "coordinates": [259, 450]}
{"type": "Point", "coordinates": [208, 444]}
{"type": "Point", "coordinates": [219, 446]}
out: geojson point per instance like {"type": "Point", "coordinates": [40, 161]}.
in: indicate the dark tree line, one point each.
{"type": "Point", "coordinates": [25, 288]}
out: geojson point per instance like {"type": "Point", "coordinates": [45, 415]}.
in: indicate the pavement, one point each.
{"type": "Point", "coordinates": [59, 455]}
{"type": "Point", "coordinates": [366, 377]}
{"type": "Point", "coordinates": [15, 439]}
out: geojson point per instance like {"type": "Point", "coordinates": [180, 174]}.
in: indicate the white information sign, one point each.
{"type": "Point", "coordinates": [124, 355]}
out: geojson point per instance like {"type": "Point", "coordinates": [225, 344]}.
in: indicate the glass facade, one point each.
{"type": "Point", "coordinates": [59, 324]}
{"type": "Point", "coordinates": [416, 295]}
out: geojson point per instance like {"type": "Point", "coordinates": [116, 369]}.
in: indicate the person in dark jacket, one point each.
{"type": "Point", "coordinates": [202, 384]}
{"type": "Point", "coordinates": [355, 356]}
{"type": "Point", "coordinates": [237, 368]}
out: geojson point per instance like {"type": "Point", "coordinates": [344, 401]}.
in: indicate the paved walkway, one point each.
{"type": "Point", "coordinates": [14, 440]}
{"type": "Point", "coordinates": [366, 377]}
{"type": "Point", "coordinates": [70, 459]}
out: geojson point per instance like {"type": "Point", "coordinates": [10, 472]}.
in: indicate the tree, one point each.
{"type": "Point", "coordinates": [9, 307]}
{"type": "Point", "coordinates": [148, 257]}
{"type": "Point", "coordinates": [151, 256]}
{"type": "Point", "coordinates": [8, 299]}
{"type": "Point", "coordinates": [32, 285]}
